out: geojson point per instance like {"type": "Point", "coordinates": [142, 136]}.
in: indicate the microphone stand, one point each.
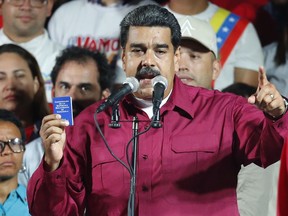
{"type": "Point", "coordinates": [156, 119]}
{"type": "Point", "coordinates": [132, 197]}
{"type": "Point", "coordinates": [115, 117]}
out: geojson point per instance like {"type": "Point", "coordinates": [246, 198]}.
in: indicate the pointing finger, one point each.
{"type": "Point", "coordinates": [262, 77]}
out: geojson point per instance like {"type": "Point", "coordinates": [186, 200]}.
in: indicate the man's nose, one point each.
{"type": "Point", "coordinates": [148, 59]}
{"type": "Point", "coordinates": [182, 65]}
{"type": "Point", "coordinates": [183, 68]}
{"type": "Point", "coordinates": [7, 150]}
{"type": "Point", "coordinates": [73, 93]}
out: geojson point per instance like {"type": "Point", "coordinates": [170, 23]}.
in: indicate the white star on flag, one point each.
{"type": "Point", "coordinates": [225, 29]}
{"type": "Point", "coordinates": [231, 19]}
{"type": "Point", "coordinates": [219, 40]}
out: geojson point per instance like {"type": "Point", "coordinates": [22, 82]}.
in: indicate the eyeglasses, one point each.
{"type": "Point", "coordinates": [33, 3]}
{"type": "Point", "coordinates": [16, 145]}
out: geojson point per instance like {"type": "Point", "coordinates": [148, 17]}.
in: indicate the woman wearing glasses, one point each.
{"type": "Point", "coordinates": [13, 199]}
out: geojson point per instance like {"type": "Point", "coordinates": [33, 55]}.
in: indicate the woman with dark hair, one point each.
{"type": "Point", "coordinates": [22, 88]}
{"type": "Point", "coordinates": [276, 53]}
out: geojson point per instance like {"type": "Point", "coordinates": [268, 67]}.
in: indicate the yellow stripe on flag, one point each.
{"type": "Point", "coordinates": [218, 18]}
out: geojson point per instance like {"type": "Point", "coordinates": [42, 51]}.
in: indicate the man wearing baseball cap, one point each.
{"type": "Point", "coordinates": [199, 65]}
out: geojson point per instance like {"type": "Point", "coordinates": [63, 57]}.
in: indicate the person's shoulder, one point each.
{"type": "Point", "coordinates": [21, 188]}
{"type": "Point", "coordinates": [3, 38]}
{"type": "Point", "coordinates": [84, 124]}
{"type": "Point", "coordinates": [222, 98]}
{"type": "Point", "coordinates": [69, 7]}
{"type": "Point", "coordinates": [2, 33]}
{"type": "Point", "coordinates": [269, 52]}
{"type": "Point", "coordinates": [36, 143]}
{"type": "Point", "coordinates": [87, 115]}
{"type": "Point", "coordinates": [214, 100]}
{"type": "Point", "coordinates": [244, 27]}
{"type": "Point", "coordinates": [208, 96]}
{"type": "Point", "coordinates": [73, 4]}
{"type": "Point", "coordinates": [215, 8]}
{"type": "Point", "coordinates": [270, 46]}
{"type": "Point", "coordinates": [21, 191]}
{"type": "Point", "coordinates": [143, 2]}
{"type": "Point", "coordinates": [54, 48]}
{"type": "Point", "coordinates": [215, 93]}
{"type": "Point", "coordinates": [52, 45]}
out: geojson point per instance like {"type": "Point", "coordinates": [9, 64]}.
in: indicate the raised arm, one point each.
{"type": "Point", "coordinates": [53, 137]}
{"type": "Point", "coordinates": [267, 97]}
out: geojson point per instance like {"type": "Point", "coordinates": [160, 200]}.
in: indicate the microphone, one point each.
{"type": "Point", "coordinates": [160, 85]}
{"type": "Point", "coordinates": [131, 84]}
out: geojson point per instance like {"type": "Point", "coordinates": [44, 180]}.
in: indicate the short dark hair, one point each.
{"type": "Point", "coordinates": [82, 56]}
{"type": "Point", "coordinates": [40, 104]}
{"type": "Point", "coordinates": [9, 116]}
{"type": "Point", "coordinates": [150, 15]}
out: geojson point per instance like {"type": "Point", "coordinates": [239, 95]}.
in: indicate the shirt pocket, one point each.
{"type": "Point", "coordinates": [191, 153]}
{"type": "Point", "coordinates": [109, 176]}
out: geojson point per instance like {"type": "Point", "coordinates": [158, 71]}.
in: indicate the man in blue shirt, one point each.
{"type": "Point", "coordinates": [13, 199]}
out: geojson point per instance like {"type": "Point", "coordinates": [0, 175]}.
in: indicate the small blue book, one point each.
{"type": "Point", "coordinates": [63, 107]}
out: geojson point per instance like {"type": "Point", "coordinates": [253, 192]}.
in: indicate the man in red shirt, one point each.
{"type": "Point", "coordinates": [282, 208]}
{"type": "Point", "coordinates": [187, 165]}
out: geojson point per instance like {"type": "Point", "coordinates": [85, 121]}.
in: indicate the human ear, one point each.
{"type": "Point", "coordinates": [36, 85]}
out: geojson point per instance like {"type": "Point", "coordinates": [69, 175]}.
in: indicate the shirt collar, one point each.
{"type": "Point", "coordinates": [29, 45]}
{"type": "Point", "coordinates": [181, 98]}
{"type": "Point", "coordinates": [21, 192]}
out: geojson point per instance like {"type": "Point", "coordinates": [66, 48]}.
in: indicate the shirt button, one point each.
{"type": "Point", "coordinates": [145, 188]}
{"type": "Point", "coordinates": [145, 157]}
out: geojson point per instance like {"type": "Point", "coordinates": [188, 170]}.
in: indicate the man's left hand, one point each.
{"type": "Point", "coordinates": [267, 97]}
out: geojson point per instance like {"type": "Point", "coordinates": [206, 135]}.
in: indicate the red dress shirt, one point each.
{"type": "Point", "coordinates": [282, 207]}
{"type": "Point", "coordinates": [187, 167]}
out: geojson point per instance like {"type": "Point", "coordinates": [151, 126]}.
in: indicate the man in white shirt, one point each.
{"type": "Point", "coordinates": [243, 60]}
{"type": "Point", "coordinates": [93, 25]}
{"type": "Point", "coordinates": [23, 24]}
{"type": "Point", "coordinates": [199, 64]}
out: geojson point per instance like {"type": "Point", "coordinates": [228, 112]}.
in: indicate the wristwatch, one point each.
{"type": "Point", "coordinates": [285, 104]}
{"type": "Point", "coordinates": [286, 107]}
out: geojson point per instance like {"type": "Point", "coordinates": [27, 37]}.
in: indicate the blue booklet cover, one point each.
{"type": "Point", "coordinates": [63, 107]}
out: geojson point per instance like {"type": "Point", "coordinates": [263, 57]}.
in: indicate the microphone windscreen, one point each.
{"type": "Point", "coordinates": [160, 79]}
{"type": "Point", "coordinates": [133, 83]}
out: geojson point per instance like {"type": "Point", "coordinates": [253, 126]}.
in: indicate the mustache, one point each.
{"type": "Point", "coordinates": [147, 73]}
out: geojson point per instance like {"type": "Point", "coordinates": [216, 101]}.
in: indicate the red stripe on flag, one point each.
{"type": "Point", "coordinates": [232, 40]}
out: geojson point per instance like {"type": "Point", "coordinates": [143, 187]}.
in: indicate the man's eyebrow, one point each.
{"type": "Point", "coordinates": [84, 84]}
{"type": "Point", "coordinates": [64, 83]}
{"type": "Point", "coordinates": [137, 45]}
{"type": "Point", "coordinates": [162, 46]}
{"type": "Point", "coordinates": [157, 45]}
